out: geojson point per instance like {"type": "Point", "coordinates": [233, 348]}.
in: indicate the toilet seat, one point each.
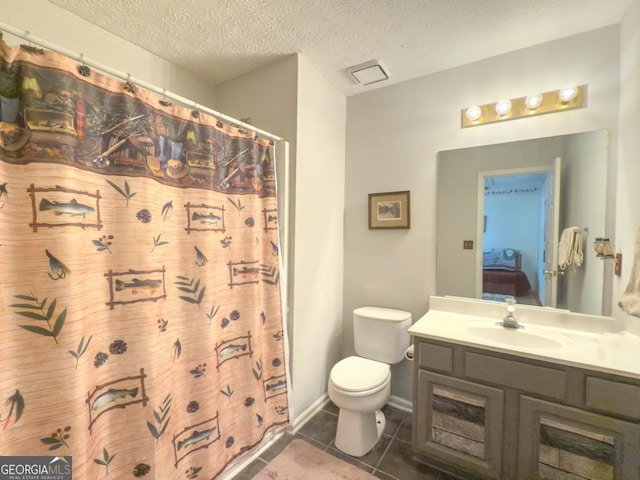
{"type": "Point", "coordinates": [357, 374]}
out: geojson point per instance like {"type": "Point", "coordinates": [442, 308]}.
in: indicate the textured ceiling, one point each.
{"type": "Point", "coordinates": [222, 39]}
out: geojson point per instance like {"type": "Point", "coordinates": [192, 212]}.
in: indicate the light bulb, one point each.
{"type": "Point", "coordinates": [533, 101]}
{"type": "Point", "coordinates": [568, 93]}
{"type": "Point", "coordinates": [503, 107]}
{"type": "Point", "coordinates": [473, 113]}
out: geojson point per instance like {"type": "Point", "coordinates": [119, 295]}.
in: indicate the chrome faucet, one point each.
{"type": "Point", "coordinates": [510, 320]}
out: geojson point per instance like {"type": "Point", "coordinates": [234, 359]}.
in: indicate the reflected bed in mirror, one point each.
{"type": "Point", "coordinates": [514, 200]}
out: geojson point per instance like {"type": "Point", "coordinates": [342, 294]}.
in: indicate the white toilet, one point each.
{"type": "Point", "coordinates": [360, 385]}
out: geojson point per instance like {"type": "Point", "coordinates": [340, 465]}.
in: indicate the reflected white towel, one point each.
{"type": "Point", "coordinates": [570, 248]}
{"type": "Point", "coordinates": [578, 254]}
{"type": "Point", "coordinates": [630, 300]}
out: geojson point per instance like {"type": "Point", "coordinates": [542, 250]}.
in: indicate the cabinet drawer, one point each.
{"type": "Point", "coordinates": [614, 397]}
{"type": "Point", "coordinates": [544, 381]}
{"type": "Point", "coordinates": [436, 357]}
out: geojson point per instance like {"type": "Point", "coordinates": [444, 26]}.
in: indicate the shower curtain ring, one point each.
{"type": "Point", "coordinates": [83, 69]}
{"type": "Point", "coordinates": [29, 47]}
{"type": "Point", "coordinates": [128, 85]}
{"type": "Point", "coordinates": [164, 102]}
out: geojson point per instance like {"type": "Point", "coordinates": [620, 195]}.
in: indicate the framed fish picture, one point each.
{"type": "Point", "coordinates": [389, 210]}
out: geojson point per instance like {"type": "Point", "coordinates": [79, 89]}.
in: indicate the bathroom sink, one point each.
{"type": "Point", "coordinates": [520, 337]}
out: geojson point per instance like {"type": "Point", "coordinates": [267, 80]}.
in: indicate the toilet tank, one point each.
{"type": "Point", "coordinates": [381, 333]}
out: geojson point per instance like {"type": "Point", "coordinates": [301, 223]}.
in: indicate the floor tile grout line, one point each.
{"type": "Point", "coordinates": [364, 464]}
{"type": "Point", "coordinates": [313, 440]}
{"type": "Point", "coordinates": [376, 469]}
{"type": "Point", "coordinates": [393, 477]}
{"type": "Point", "coordinates": [395, 432]}
{"type": "Point", "coordinates": [383, 454]}
{"type": "Point", "coordinates": [386, 450]}
{"type": "Point", "coordinates": [410, 418]}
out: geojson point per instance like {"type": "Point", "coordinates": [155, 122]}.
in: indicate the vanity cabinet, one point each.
{"type": "Point", "coordinates": [490, 415]}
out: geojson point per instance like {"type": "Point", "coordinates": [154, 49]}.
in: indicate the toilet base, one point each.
{"type": "Point", "coordinates": [358, 432]}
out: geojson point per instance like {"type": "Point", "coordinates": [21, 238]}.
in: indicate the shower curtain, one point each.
{"type": "Point", "coordinates": [141, 320]}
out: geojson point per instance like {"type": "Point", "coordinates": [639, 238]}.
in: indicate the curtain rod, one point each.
{"type": "Point", "coordinates": [26, 35]}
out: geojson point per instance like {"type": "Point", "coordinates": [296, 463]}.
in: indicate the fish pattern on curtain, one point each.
{"type": "Point", "coordinates": [141, 320]}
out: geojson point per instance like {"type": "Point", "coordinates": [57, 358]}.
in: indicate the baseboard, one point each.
{"type": "Point", "coordinates": [309, 412]}
{"type": "Point", "coordinates": [400, 403]}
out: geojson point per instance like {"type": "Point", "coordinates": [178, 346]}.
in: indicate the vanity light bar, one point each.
{"type": "Point", "coordinates": [565, 98]}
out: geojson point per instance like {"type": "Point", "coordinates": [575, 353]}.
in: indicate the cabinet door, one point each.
{"type": "Point", "coordinates": [558, 442]}
{"type": "Point", "coordinates": [459, 423]}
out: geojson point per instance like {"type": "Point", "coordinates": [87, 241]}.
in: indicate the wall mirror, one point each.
{"type": "Point", "coordinates": [497, 197]}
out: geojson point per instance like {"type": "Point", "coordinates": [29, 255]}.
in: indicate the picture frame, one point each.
{"type": "Point", "coordinates": [389, 210]}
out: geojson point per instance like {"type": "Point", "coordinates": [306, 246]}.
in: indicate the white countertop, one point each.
{"type": "Point", "coordinates": [567, 338]}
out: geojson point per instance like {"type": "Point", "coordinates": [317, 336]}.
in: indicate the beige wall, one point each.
{"type": "Point", "coordinates": [395, 133]}
{"type": "Point", "coordinates": [268, 96]}
{"type": "Point", "coordinates": [319, 233]}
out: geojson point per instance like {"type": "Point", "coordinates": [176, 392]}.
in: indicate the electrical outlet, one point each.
{"type": "Point", "coordinates": [467, 244]}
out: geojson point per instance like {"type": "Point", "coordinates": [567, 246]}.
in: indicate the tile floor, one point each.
{"type": "Point", "coordinates": [391, 459]}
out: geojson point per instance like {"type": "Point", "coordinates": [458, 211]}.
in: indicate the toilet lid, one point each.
{"type": "Point", "coordinates": [357, 374]}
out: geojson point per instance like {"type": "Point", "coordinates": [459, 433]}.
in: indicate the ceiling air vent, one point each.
{"type": "Point", "coordinates": [369, 72]}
